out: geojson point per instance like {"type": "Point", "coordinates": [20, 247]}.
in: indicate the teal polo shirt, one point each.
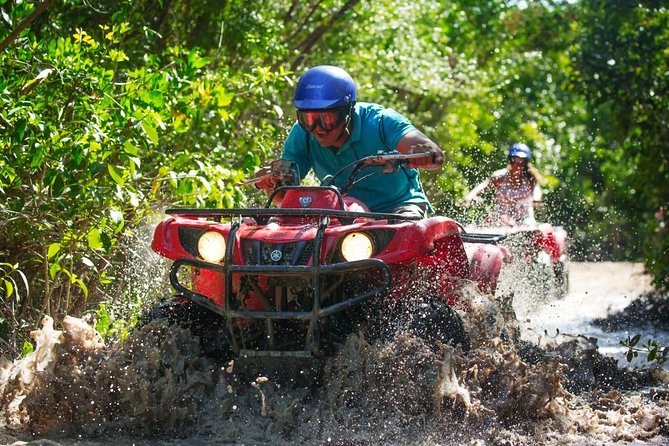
{"type": "Point", "coordinates": [375, 129]}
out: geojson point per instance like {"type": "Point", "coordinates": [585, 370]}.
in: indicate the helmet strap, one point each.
{"type": "Point", "coordinates": [348, 120]}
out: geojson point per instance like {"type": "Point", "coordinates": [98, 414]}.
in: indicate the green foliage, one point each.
{"type": "Point", "coordinates": [112, 326]}
{"type": "Point", "coordinates": [653, 350]}
{"type": "Point", "coordinates": [27, 348]}
{"type": "Point", "coordinates": [98, 133]}
{"type": "Point", "coordinates": [622, 64]}
{"type": "Point", "coordinates": [14, 289]}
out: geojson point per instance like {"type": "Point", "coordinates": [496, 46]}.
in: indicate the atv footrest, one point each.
{"type": "Point", "coordinates": [299, 368]}
{"type": "Point", "coordinates": [479, 237]}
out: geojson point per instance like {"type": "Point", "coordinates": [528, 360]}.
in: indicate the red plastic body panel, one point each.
{"type": "Point", "coordinates": [485, 264]}
{"type": "Point", "coordinates": [431, 245]}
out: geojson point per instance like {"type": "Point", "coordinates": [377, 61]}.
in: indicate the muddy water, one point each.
{"type": "Point", "coordinates": [157, 388]}
{"type": "Point", "coordinates": [598, 290]}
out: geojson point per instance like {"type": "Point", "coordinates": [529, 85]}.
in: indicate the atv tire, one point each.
{"type": "Point", "coordinates": [433, 320]}
{"type": "Point", "coordinates": [209, 327]}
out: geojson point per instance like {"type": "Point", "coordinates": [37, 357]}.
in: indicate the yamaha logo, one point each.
{"type": "Point", "coordinates": [305, 201]}
{"type": "Point", "coordinates": [275, 255]}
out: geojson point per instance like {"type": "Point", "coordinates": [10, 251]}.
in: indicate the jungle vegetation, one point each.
{"type": "Point", "coordinates": [111, 111]}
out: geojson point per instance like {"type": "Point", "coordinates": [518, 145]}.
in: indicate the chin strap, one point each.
{"type": "Point", "coordinates": [348, 120]}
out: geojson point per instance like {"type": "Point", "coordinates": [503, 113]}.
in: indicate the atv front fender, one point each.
{"type": "Point", "coordinates": [485, 264]}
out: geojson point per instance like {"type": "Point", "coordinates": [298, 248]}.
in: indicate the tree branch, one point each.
{"type": "Point", "coordinates": [24, 24]}
{"type": "Point", "coordinates": [308, 43]}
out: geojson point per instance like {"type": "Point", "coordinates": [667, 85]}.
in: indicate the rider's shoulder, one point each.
{"type": "Point", "coordinates": [498, 174]}
{"type": "Point", "coordinates": [377, 110]}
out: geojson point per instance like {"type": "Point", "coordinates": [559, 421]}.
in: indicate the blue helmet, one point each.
{"type": "Point", "coordinates": [520, 150]}
{"type": "Point", "coordinates": [324, 87]}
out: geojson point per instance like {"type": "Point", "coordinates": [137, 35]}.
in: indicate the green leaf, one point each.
{"type": "Point", "coordinates": [130, 149]}
{"type": "Point", "coordinates": [117, 55]}
{"type": "Point", "coordinates": [150, 131]}
{"type": "Point", "coordinates": [104, 320]}
{"type": "Point", "coordinates": [196, 61]}
{"type": "Point", "coordinates": [27, 348]}
{"type": "Point", "coordinates": [115, 174]}
{"type": "Point", "coordinates": [223, 99]}
{"type": "Point", "coordinates": [630, 355]}
{"type": "Point", "coordinates": [9, 288]}
{"type": "Point", "coordinates": [54, 248]}
{"type": "Point", "coordinates": [94, 240]}
{"type": "Point", "coordinates": [83, 287]}
{"type": "Point", "coordinates": [54, 269]}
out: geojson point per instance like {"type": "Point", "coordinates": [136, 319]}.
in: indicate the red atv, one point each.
{"type": "Point", "coordinates": [541, 246]}
{"type": "Point", "coordinates": [292, 281]}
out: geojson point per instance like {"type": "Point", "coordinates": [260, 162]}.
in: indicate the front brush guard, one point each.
{"type": "Point", "coordinates": [315, 271]}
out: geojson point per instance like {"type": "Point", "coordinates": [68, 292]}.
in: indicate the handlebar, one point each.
{"type": "Point", "coordinates": [383, 158]}
{"type": "Point", "coordinates": [253, 181]}
{"type": "Point", "coordinates": [286, 172]}
{"type": "Point", "coordinates": [390, 161]}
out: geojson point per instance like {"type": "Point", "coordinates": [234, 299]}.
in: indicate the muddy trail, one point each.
{"type": "Point", "coordinates": [559, 385]}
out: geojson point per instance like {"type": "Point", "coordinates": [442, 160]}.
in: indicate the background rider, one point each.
{"type": "Point", "coordinates": [516, 187]}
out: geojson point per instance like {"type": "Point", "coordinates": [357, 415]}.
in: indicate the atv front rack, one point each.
{"type": "Point", "coordinates": [266, 213]}
{"type": "Point", "coordinates": [479, 237]}
{"type": "Point", "coordinates": [313, 272]}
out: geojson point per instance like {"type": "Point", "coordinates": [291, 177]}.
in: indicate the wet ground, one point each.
{"type": "Point", "coordinates": [600, 292]}
{"type": "Point", "coordinates": [564, 383]}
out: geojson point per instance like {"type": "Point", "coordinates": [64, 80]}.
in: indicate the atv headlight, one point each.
{"type": "Point", "coordinates": [357, 246]}
{"type": "Point", "coordinates": [211, 246]}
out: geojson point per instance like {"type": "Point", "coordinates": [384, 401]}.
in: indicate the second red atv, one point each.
{"type": "Point", "coordinates": [289, 283]}
{"type": "Point", "coordinates": [540, 246]}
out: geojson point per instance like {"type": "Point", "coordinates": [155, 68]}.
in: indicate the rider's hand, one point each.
{"type": "Point", "coordinates": [467, 202]}
{"type": "Point", "coordinates": [269, 182]}
{"type": "Point", "coordinates": [433, 159]}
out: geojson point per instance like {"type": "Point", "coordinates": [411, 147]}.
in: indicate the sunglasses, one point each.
{"type": "Point", "coordinates": [327, 120]}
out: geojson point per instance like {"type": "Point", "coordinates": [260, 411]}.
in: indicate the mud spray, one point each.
{"type": "Point", "coordinates": [156, 388]}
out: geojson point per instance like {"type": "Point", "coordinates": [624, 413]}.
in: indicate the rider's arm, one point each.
{"type": "Point", "coordinates": [416, 142]}
{"type": "Point", "coordinates": [537, 195]}
{"type": "Point", "coordinates": [479, 189]}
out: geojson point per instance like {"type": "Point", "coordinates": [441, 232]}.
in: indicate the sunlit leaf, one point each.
{"type": "Point", "coordinates": [94, 241]}
{"type": "Point", "coordinates": [117, 55]}
{"type": "Point", "coordinates": [130, 149]}
{"type": "Point", "coordinates": [115, 174]}
{"type": "Point", "coordinates": [27, 348]}
{"type": "Point", "coordinates": [83, 286]}
{"type": "Point", "coordinates": [54, 269]}
{"type": "Point", "coordinates": [9, 288]}
{"type": "Point", "coordinates": [53, 249]}
{"type": "Point", "coordinates": [150, 131]}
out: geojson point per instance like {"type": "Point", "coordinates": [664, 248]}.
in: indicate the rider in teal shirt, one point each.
{"type": "Point", "coordinates": [334, 131]}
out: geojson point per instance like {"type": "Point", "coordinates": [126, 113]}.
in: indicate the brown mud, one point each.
{"type": "Point", "coordinates": [156, 388]}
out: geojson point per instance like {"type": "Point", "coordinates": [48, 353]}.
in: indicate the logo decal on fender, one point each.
{"type": "Point", "coordinates": [305, 201]}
